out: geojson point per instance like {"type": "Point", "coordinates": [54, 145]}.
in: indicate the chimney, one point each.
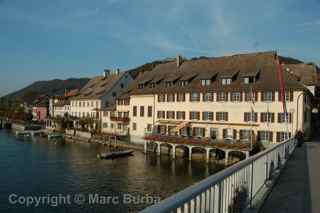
{"type": "Point", "coordinates": [118, 71]}
{"type": "Point", "coordinates": [106, 73]}
{"type": "Point", "coordinates": [179, 60]}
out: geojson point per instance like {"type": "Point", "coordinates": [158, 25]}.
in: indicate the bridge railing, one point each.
{"type": "Point", "coordinates": [232, 189]}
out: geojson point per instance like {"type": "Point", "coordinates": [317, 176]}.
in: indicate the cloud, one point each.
{"type": "Point", "coordinates": [310, 23]}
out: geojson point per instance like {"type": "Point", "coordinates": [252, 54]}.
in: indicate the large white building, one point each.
{"type": "Point", "coordinates": [99, 93]}
{"type": "Point", "coordinates": [214, 99]}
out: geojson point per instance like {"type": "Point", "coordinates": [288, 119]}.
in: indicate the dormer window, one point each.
{"type": "Point", "coordinates": [205, 82]}
{"type": "Point", "coordinates": [183, 83]}
{"type": "Point", "coordinates": [226, 81]}
{"type": "Point", "coordinates": [152, 85]}
{"type": "Point", "coordinates": [248, 80]}
{"type": "Point", "coordinates": [140, 86]}
{"type": "Point", "coordinates": [169, 84]}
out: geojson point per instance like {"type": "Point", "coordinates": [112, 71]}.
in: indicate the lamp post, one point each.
{"type": "Point", "coordinates": [300, 95]}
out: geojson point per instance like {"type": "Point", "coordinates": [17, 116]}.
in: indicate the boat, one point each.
{"type": "Point", "coordinates": [55, 137]}
{"type": "Point", "coordinates": [113, 155]}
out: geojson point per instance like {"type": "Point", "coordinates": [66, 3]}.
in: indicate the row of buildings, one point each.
{"type": "Point", "coordinates": [213, 99]}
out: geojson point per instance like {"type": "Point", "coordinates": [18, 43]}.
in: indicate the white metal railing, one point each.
{"type": "Point", "coordinates": [231, 190]}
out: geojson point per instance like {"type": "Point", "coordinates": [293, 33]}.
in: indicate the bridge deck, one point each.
{"type": "Point", "coordinates": [298, 187]}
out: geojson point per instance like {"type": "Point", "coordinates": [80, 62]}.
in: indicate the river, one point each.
{"type": "Point", "coordinates": [39, 176]}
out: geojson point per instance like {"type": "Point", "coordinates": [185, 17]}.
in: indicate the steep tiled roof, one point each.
{"type": "Point", "coordinates": [264, 65]}
{"type": "Point", "coordinates": [305, 73]}
{"type": "Point", "coordinates": [97, 86]}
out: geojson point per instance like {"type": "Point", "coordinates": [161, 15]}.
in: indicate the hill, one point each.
{"type": "Point", "coordinates": [50, 88]}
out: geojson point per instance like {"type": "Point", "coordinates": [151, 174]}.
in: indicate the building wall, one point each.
{"type": "Point", "coordinates": [39, 113]}
{"type": "Point", "coordinates": [109, 97]}
{"type": "Point", "coordinates": [299, 107]}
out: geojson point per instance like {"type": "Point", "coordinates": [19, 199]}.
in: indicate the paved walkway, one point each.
{"type": "Point", "coordinates": [298, 187]}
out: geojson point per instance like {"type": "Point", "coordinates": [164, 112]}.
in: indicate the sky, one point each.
{"type": "Point", "coordinates": [43, 40]}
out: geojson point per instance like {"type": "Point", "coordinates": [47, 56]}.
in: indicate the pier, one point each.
{"type": "Point", "coordinates": [188, 146]}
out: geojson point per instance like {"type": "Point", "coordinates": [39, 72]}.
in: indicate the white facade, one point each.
{"type": "Point", "coordinates": [144, 122]}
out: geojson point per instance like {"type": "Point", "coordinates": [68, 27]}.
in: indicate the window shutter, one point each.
{"type": "Point", "coordinates": [227, 96]}
{"type": "Point", "coordinates": [259, 136]}
{"type": "Point", "coordinates": [261, 117]}
{"type": "Point", "coordinates": [279, 95]}
{"type": "Point", "coordinates": [245, 117]}
{"type": "Point", "coordinates": [279, 117]}
{"type": "Point", "coordinates": [234, 134]}
{"type": "Point", "coordinates": [291, 96]}
{"type": "Point", "coordinates": [271, 136]}
{"type": "Point", "coordinates": [190, 117]}
{"type": "Point", "coordinates": [241, 94]}
{"type": "Point", "coordinates": [272, 117]}
{"type": "Point", "coordinates": [227, 116]}
{"type": "Point", "coordinates": [273, 94]}
{"type": "Point", "coordinates": [256, 96]}
{"type": "Point", "coordinates": [218, 96]}
{"type": "Point", "coordinates": [290, 117]}
{"type": "Point", "coordinates": [262, 96]}
{"type": "Point", "coordinates": [278, 136]}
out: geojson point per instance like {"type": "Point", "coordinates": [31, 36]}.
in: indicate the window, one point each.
{"type": "Point", "coordinates": [88, 104]}
{"type": "Point", "coordinates": [149, 111]}
{"type": "Point", "coordinates": [152, 85]}
{"type": "Point", "coordinates": [222, 116]}
{"type": "Point", "coordinates": [161, 98]}
{"type": "Point", "coordinates": [119, 126]}
{"type": "Point", "coordinates": [207, 116]}
{"type": "Point", "coordinates": [245, 134]}
{"type": "Point", "coordinates": [134, 111]}
{"type": "Point", "coordinates": [126, 114]}
{"type": "Point", "coordinates": [169, 84]}
{"type": "Point", "coordinates": [194, 115]}
{"type": "Point", "coordinates": [134, 126]}
{"type": "Point", "coordinates": [198, 132]}
{"type": "Point", "coordinates": [251, 96]}
{"type": "Point", "coordinates": [149, 127]}
{"type": "Point", "coordinates": [226, 81]}
{"type": "Point", "coordinates": [194, 96]}
{"type": "Point", "coordinates": [205, 82]}
{"type": "Point", "coordinates": [121, 85]}
{"type": "Point", "coordinates": [183, 83]}
{"type": "Point", "coordinates": [248, 80]}
{"type": "Point", "coordinates": [181, 115]}
{"type": "Point", "coordinates": [170, 114]}
{"type": "Point", "coordinates": [140, 86]}
{"type": "Point", "coordinates": [111, 125]}
{"type": "Point", "coordinates": [250, 116]}
{"type": "Point", "coordinates": [288, 96]}
{"type": "Point", "coordinates": [265, 136]}
{"type": "Point", "coordinates": [267, 96]}
{"type": "Point", "coordinates": [222, 96]}
{"type": "Point", "coordinates": [181, 97]}
{"type": "Point", "coordinates": [161, 114]}
{"type": "Point", "coordinates": [236, 96]}
{"type": "Point", "coordinates": [141, 111]}
{"type": "Point", "coordinates": [207, 96]}
{"type": "Point", "coordinates": [282, 136]}
{"type": "Point", "coordinates": [162, 129]}
{"type": "Point", "coordinates": [105, 125]}
{"type": "Point", "coordinates": [267, 117]}
{"type": "Point", "coordinates": [105, 114]}
{"type": "Point", "coordinates": [170, 98]}
{"type": "Point", "coordinates": [283, 117]}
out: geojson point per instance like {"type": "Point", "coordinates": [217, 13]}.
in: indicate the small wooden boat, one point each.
{"type": "Point", "coordinates": [113, 155]}
{"type": "Point", "coordinates": [55, 137]}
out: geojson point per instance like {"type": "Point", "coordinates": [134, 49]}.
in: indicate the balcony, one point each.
{"type": "Point", "coordinates": [187, 140]}
{"type": "Point", "coordinates": [120, 119]}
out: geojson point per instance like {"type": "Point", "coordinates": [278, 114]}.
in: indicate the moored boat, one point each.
{"type": "Point", "coordinates": [113, 155]}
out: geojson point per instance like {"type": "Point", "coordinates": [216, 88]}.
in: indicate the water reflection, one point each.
{"type": "Point", "coordinates": [39, 167]}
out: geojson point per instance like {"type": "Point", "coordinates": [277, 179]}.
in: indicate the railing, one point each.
{"type": "Point", "coordinates": [232, 189]}
{"type": "Point", "coordinates": [122, 119]}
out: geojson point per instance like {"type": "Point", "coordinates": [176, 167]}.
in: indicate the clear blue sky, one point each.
{"type": "Point", "coordinates": [46, 39]}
